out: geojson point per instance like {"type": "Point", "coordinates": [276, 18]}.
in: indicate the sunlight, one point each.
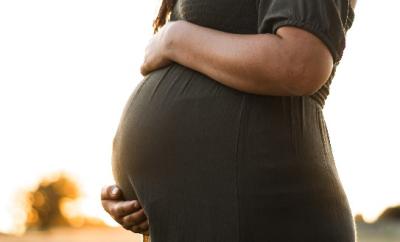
{"type": "Point", "coordinates": [68, 67]}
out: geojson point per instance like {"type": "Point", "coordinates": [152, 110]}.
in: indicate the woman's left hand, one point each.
{"type": "Point", "coordinates": [156, 51]}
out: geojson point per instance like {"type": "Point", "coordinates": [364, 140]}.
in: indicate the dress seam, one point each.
{"type": "Point", "coordinates": [237, 160]}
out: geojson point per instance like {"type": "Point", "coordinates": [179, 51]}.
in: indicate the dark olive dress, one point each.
{"type": "Point", "coordinates": [213, 164]}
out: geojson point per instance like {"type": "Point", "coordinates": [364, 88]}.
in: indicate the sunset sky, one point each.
{"type": "Point", "coordinates": [67, 68]}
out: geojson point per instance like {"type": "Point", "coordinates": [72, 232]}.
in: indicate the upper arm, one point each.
{"type": "Point", "coordinates": [313, 30]}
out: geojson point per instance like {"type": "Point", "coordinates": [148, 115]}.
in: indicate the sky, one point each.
{"type": "Point", "coordinates": [68, 67]}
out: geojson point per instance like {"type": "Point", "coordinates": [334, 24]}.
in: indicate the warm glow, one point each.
{"type": "Point", "coordinates": [67, 68]}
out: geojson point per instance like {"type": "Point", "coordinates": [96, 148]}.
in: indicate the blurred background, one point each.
{"type": "Point", "coordinates": [67, 69]}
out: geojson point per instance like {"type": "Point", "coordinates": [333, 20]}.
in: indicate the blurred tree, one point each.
{"type": "Point", "coordinates": [44, 203]}
{"type": "Point", "coordinates": [359, 218]}
{"type": "Point", "coordinates": [392, 213]}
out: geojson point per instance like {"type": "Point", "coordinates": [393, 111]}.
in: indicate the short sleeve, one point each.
{"type": "Point", "coordinates": [329, 20]}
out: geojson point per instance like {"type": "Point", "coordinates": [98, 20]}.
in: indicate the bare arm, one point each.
{"type": "Point", "coordinates": [292, 62]}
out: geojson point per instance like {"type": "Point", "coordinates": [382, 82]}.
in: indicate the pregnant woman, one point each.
{"type": "Point", "coordinates": [224, 140]}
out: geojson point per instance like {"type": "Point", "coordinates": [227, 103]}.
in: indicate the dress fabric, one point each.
{"type": "Point", "coordinates": [210, 163]}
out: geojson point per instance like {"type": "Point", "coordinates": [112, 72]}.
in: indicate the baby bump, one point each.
{"type": "Point", "coordinates": [188, 143]}
{"type": "Point", "coordinates": [178, 128]}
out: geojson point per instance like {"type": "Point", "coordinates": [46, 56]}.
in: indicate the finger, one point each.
{"type": "Point", "coordinates": [104, 194]}
{"type": "Point", "coordinates": [134, 218]}
{"type": "Point", "coordinates": [140, 228]}
{"type": "Point", "coordinates": [143, 70]}
{"type": "Point", "coordinates": [112, 192]}
{"type": "Point", "coordinates": [115, 192]}
{"type": "Point", "coordinates": [120, 209]}
{"type": "Point", "coordinates": [106, 205]}
{"type": "Point", "coordinates": [146, 66]}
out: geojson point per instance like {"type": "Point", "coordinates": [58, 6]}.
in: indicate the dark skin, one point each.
{"type": "Point", "coordinates": [130, 214]}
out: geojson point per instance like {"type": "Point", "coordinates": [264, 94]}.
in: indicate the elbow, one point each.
{"type": "Point", "coordinates": [305, 62]}
{"type": "Point", "coordinates": [304, 86]}
{"type": "Point", "coordinates": [306, 79]}
{"type": "Point", "coordinates": [296, 80]}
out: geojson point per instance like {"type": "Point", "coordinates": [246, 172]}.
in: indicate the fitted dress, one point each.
{"type": "Point", "coordinates": [210, 163]}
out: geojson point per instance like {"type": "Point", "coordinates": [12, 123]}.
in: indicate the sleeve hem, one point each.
{"type": "Point", "coordinates": [314, 29]}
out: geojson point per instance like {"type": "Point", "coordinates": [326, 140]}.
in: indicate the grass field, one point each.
{"type": "Point", "coordinates": [384, 232]}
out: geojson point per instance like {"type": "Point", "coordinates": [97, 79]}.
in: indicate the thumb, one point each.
{"type": "Point", "coordinates": [114, 192]}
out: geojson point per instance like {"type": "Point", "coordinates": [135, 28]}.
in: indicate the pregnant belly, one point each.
{"type": "Point", "coordinates": [195, 153]}
{"type": "Point", "coordinates": [182, 132]}
{"type": "Point", "coordinates": [174, 117]}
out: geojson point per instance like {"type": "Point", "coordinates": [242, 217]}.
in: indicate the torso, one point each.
{"type": "Point", "coordinates": [211, 163]}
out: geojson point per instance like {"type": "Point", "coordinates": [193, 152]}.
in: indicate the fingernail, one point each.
{"type": "Point", "coordinates": [135, 204]}
{"type": "Point", "coordinates": [114, 191]}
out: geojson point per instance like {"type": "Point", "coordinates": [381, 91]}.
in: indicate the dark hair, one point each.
{"type": "Point", "coordinates": [165, 9]}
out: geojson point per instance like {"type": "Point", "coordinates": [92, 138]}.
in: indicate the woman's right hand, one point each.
{"type": "Point", "coordinates": [129, 214]}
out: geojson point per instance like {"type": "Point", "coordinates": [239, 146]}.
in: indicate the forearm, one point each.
{"type": "Point", "coordinates": [262, 64]}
